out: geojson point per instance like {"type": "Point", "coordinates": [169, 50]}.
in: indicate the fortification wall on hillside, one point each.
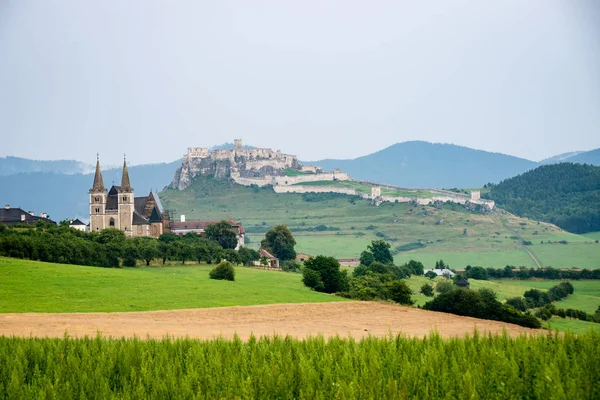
{"type": "Point", "coordinates": [326, 176]}
{"type": "Point", "coordinates": [315, 189]}
{"type": "Point", "coordinates": [260, 181]}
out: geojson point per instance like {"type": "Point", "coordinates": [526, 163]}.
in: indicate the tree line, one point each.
{"type": "Point", "coordinates": [111, 248]}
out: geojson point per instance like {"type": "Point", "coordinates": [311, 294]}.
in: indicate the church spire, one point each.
{"type": "Point", "coordinates": [98, 182]}
{"type": "Point", "coordinates": [125, 184]}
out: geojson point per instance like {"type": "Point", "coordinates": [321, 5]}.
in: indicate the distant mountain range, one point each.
{"type": "Point", "coordinates": [60, 187]}
{"type": "Point", "coordinates": [65, 195]}
{"type": "Point", "coordinates": [16, 165]}
{"type": "Point", "coordinates": [424, 165]}
{"type": "Point", "coordinates": [427, 165]}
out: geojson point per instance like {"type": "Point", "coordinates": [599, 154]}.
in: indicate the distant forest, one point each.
{"type": "Point", "coordinates": [566, 194]}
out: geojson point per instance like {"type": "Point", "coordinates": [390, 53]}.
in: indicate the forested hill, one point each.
{"type": "Point", "coordinates": [566, 194]}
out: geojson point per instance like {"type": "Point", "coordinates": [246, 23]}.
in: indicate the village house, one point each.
{"type": "Point", "coordinates": [199, 227]}
{"type": "Point", "coordinates": [15, 216]}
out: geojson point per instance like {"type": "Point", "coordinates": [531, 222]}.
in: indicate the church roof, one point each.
{"type": "Point", "coordinates": [155, 217]}
{"type": "Point", "coordinates": [138, 219]}
{"type": "Point", "coordinates": [125, 184]}
{"type": "Point", "coordinates": [76, 222]}
{"type": "Point", "coordinates": [158, 203]}
{"type": "Point", "coordinates": [98, 181]}
{"type": "Point", "coordinates": [139, 203]}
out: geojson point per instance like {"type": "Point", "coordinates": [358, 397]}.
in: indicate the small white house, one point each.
{"type": "Point", "coordinates": [77, 224]}
{"type": "Point", "coordinates": [440, 272]}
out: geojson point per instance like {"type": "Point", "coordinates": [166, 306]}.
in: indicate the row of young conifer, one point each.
{"type": "Point", "coordinates": [549, 366]}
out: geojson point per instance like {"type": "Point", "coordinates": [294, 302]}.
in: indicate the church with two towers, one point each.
{"type": "Point", "coordinates": [118, 208]}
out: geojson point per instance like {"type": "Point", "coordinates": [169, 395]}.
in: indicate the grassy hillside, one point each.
{"type": "Point", "coordinates": [565, 194]}
{"type": "Point", "coordinates": [343, 226]}
{"type": "Point", "coordinates": [30, 286]}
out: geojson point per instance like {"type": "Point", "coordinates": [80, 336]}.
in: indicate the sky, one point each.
{"type": "Point", "coordinates": [315, 78]}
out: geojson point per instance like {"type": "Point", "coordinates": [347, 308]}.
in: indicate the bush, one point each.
{"type": "Point", "coordinates": [427, 290]}
{"type": "Point", "coordinates": [399, 292]}
{"type": "Point", "coordinates": [431, 275]}
{"type": "Point", "coordinates": [223, 271]}
{"type": "Point", "coordinates": [312, 279]}
{"type": "Point", "coordinates": [478, 273]}
{"type": "Point", "coordinates": [518, 303]}
{"type": "Point", "coordinates": [444, 287]}
{"type": "Point", "coordinates": [290, 266]}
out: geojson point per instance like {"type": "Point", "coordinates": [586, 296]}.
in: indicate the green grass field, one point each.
{"type": "Point", "coordinates": [30, 286]}
{"type": "Point", "coordinates": [491, 240]}
{"type": "Point", "coordinates": [592, 235]}
{"type": "Point", "coordinates": [572, 325]}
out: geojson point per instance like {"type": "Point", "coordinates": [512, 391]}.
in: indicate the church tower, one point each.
{"type": "Point", "coordinates": [126, 202]}
{"type": "Point", "coordinates": [98, 196]}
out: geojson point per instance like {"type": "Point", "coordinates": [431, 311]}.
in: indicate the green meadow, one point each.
{"type": "Point", "coordinates": [31, 286]}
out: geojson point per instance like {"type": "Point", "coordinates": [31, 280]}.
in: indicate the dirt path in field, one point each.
{"type": "Point", "coordinates": [357, 319]}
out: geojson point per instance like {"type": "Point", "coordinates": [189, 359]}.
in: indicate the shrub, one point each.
{"type": "Point", "coordinates": [312, 279]}
{"type": "Point", "coordinates": [427, 290]}
{"type": "Point", "coordinates": [290, 266]}
{"type": "Point", "coordinates": [431, 275]}
{"type": "Point", "coordinates": [478, 273]}
{"type": "Point", "coordinates": [444, 287]}
{"type": "Point", "coordinates": [223, 271]}
{"type": "Point", "coordinates": [399, 292]}
{"type": "Point", "coordinates": [518, 303]}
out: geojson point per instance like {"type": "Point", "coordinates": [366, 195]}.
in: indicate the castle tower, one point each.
{"type": "Point", "coordinates": [98, 195]}
{"type": "Point", "coordinates": [126, 202]}
{"type": "Point", "coordinates": [237, 145]}
{"type": "Point", "coordinates": [375, 192]}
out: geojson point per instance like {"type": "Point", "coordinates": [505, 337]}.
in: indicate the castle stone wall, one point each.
{"type": "Point", "coordinates": [315, 189]}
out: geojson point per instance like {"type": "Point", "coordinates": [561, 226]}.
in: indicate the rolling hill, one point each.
{"type": "Point", "coordinates": [420, 164]}
{"type": "Point", "coordinates": [591, 157]}
{"type": "Point", "coordinates": [343, 226]}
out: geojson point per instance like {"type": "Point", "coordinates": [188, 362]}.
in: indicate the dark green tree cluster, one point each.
{"type": "Point", "coordinates": [110, 247]}
{"type": "Point", "coordinates": [482, 304]}
{"type": "Point", "coordinates": [323, 274]}
{"type": "Point", "coordinates": [564, 194]}
{"type": "Point", "coordinates": [534, 298]}
{"type": "Point", "coordinates": [377, 278]}
{"type": "Point", "coordinates": [550, 310]}
{"type": "Point", "coordinates": [542, 273]}
{"type": "Point", "coordinates": [478, 273]}
{"type": "Point", "coordinates": [280, 242]}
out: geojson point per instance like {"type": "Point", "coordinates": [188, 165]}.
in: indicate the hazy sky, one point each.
{"type": "Point", "coordinates": [316, 78]}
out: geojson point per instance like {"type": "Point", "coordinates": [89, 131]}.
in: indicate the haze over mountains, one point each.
{"type": "Point", "coordinates": [60, 187]}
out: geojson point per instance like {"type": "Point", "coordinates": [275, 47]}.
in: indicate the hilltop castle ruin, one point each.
{"type": "Point", "coordinates": [265, 167]}
{"type": "Point", "coordinates": [239, 163]}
